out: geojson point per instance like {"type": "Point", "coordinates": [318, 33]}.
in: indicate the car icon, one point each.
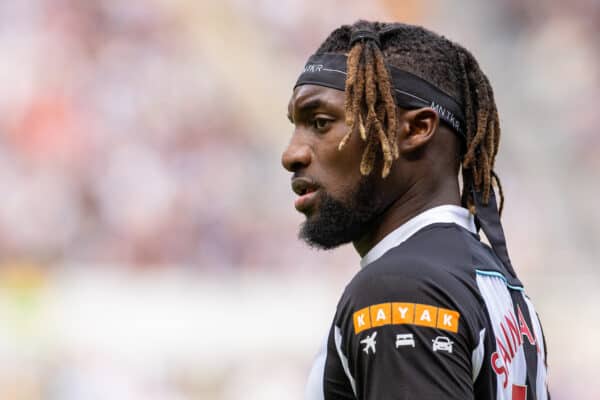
{"type": "Point", "coordinates": [442, 343]}
{"type": "Point", "coordinates": [405, 339]}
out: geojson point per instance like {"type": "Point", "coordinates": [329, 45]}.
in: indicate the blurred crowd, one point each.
{"type": "Point", "coordinates": [138, 132]}
{"type": "Point", "coordinates": [147, 134]}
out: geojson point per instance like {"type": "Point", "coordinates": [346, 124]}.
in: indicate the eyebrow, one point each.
{"type": "Point", "coordinates": [306, 106]}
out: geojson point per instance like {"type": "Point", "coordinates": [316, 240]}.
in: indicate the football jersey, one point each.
{"type": "Point", "coordinates": [432, 314]}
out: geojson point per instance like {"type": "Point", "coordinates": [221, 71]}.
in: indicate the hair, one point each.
{"type": "Point", "coordinates": [371, 110]}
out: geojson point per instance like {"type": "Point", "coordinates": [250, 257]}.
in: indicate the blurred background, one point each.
{"type": "Point", "coordinates": [147, 232]}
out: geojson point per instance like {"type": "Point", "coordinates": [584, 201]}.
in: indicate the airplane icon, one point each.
{"type": "Point", "coordinates": [369, 343]}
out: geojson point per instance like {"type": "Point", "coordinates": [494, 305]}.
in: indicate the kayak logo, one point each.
{"type": "Point", "coordinates": [403, 314]}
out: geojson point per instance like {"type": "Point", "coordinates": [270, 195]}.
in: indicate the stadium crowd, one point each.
{"type": "Point", "coordinates": [147, 134]}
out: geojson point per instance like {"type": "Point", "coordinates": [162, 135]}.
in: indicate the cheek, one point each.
{"type": "Point", "coordinates": [348, 158]}
{"type": "Point", "coordinates": [341, 168]}
{"type": "Point", "coordinates": [343, 186]}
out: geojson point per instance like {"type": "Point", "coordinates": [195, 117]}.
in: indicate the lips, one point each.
{"type": "Point", "coordinates": [307, 190]}
{"type": "Point", "coordinates": [302, 186]}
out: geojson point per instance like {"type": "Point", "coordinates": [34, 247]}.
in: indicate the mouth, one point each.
{"type": "Point", "coordinates": [306, 189]}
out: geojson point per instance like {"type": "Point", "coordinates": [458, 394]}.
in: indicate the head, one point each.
{"type": "Point", "coordinates": [354, 152]}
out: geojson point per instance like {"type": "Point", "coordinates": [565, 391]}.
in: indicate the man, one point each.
{"type": "Point", "coordinates": [386, 117]}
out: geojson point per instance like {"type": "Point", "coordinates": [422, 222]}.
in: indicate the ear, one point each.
{"type": "Point", "coordinates": [417, 128]}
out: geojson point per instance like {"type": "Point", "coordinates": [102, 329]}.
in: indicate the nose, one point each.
{"type": "Point", "coordinates": [297, 155]}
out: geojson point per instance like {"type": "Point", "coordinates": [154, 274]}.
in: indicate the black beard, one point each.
{"type": "Point", "coordinates": [338, 222]}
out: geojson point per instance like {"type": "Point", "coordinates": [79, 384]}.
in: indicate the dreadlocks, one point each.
{"type": "Point", "coordinates": [371, 110]}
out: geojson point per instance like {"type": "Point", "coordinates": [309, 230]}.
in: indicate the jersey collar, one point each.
{"type": "Point", "coordinates": [440, 214]}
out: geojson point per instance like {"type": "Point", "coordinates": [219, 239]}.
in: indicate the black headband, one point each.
{"type": "Point", "coordinates": [410, 91]}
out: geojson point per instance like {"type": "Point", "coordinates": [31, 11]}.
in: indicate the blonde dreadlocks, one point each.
{"type": "Point", "coordinates": [371, 110]}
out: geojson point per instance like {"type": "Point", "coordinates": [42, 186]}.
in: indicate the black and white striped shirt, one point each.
{"type": "Point", "coordinates": [432, 315]}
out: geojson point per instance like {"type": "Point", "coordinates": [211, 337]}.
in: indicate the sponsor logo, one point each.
{"type": "Point", "coordinates": [313, 67]}
{"type": "Point", "coordinates": [369, 343]}
{"type": "Point", "coordinates": [508, 344]}
{"type": "Point", "coordinates": [446, 115]}
{"type": "Point", "coordinates": [442, 343]}
{"type": "Point", "coordinates": [405, 339]}
{"type": "Point", "coordinates": [405, 313]}
{"type": "Point", "coordinates": [426, 315]}
{"type": "Point", "coordinates": [381, 314]}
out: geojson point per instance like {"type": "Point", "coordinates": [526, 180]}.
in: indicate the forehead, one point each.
{"type": "Point", "coordinates": [313, 96]}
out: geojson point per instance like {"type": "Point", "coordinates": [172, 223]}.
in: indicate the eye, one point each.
{"type": "Point", "coordinates": [321, 124]}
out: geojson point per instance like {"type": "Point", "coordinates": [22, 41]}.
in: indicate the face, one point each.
{"type": "Point", "coordinates": [339, 203]}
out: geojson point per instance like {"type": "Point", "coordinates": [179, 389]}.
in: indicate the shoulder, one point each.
{"type": "Point", "coordinates": [432, 272]}
{"type": "Point", "coordinates": [440, 256]}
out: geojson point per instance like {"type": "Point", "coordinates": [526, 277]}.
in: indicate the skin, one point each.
{"type": "Point", "coordinates": [424, 176]}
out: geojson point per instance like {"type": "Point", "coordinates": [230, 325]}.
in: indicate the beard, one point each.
{"type": "Point", "coordinates": [339, 222]}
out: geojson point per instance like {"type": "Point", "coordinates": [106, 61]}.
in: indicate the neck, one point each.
{"type": "Point", "coordinates": [418, 198]}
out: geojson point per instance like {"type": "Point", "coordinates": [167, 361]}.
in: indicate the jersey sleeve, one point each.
{"type": "Point", "coordinates": [408, 336]}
